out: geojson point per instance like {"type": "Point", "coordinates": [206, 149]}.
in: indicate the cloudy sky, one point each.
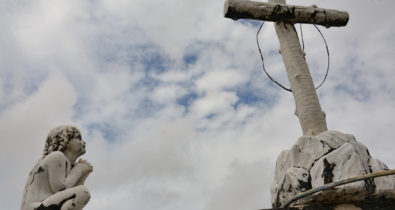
{"type": "Point", "coordinates": [171, 98]}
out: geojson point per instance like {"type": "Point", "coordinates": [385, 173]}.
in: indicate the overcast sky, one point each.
{"type": "Point", "coordinates": [171, 98]}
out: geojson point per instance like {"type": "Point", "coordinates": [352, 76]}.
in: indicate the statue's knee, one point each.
{"type": "Point", "coordinates": [83, 194]}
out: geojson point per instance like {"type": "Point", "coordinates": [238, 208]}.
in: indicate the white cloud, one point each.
{"type": "Point", "coordinates": [244, 182]}
{"type": "Point", "coordinates": [23, 129]}
{"type": "Point", "coordinates": [221, 79]}
{"type": "Point", "coordinates": [214, 103]}
{"type": "Point", "coordinates": [168, 93]}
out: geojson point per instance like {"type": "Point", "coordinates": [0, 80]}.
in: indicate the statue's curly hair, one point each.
{"type": "Point", "coordinates": [59, 137]}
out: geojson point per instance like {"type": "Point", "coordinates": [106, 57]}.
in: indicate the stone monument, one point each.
{"type": "Point", "coordinates": [320, 156]}
{"type": "Point", "coordinates": [56, 181]}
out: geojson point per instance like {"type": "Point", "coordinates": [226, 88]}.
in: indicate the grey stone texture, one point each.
{"type": "Point", "coordinates": [330, 156]}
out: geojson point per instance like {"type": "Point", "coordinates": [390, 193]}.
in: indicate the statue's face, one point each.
{"type": "Point", "coordinates": [76, 145]}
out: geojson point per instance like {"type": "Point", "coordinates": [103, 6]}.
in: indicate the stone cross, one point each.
{"type": "Point", "coordinates": [308, 109]}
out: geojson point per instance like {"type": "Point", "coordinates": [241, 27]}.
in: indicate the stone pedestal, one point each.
{"type": "Point", "coordinates": [344, 206]}
{"type": "Point", "coordinates": [330, 156]}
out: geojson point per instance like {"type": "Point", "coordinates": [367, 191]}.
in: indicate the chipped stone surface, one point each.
{"type": "Point", "coordinates": [330, 156]}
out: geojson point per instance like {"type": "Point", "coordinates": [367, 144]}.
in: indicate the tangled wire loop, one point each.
{"type": "Point", "coordinates": [301, 32]}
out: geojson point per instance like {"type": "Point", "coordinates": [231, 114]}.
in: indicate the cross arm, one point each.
{"type": "Point", "coordinates": [241, 9]}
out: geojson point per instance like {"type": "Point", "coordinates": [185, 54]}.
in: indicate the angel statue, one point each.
{"type": "Point", "coordinates": [56, 182]}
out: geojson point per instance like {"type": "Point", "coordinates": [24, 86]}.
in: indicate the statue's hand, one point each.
{"type": "Point", "coordinates": [84, 166]}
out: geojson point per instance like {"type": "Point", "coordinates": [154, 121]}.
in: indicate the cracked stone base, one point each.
{"type": "Point", "coordinates": [344, 206]}
{"type": "Point", "coordinates": [331, 156]}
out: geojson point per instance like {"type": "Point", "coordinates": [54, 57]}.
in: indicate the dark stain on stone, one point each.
{"type": "Point", "coordinates": [313, 14]}
{"type": "Point", "coordinates": [65, 174]}
{"type": "Point", "coordinates": [329, 151]}
{"type": "Point", "coordinates": [304, 186]}
{"type": "Point", "coordinates": [370, 186]}
{"type": "Point", "coordinates": [282, 12]}
{"type": "Point", "coordinates": [326, 18]}
{"type": "Point", "coordinates": [293, 12]}
{"type": "Point", "coordinates": [367, 151]}
{"type": "Point", "coordinates": [323, 143]}
{"type": "Point", "coordinates": [276, 10]}
{"type": "Point", "coordinates": [370, 166]}
{"type": "Point", "coordinates": [289, 188]}
{"type": "Point", "coordinates": [39, 170]}
{"type": "Point", "coordinates": [327, 174]}
{"type": "Point", "coordinates": [348, 157]}
{"type": "Point", "coordinates": [279, 192]}
{"type": "Point", "coordinates": [55, 206]}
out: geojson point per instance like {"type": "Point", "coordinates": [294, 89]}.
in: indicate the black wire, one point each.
{"type": "Point", "coordinates": [327, 52]}
{"type": "Point", "coordinates": [263, 63]}
{"type": "Point", "coordinates": [301, 32]}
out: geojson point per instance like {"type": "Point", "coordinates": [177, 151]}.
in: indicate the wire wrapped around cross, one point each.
{"type": "Point", "coordinates": [301, 32]}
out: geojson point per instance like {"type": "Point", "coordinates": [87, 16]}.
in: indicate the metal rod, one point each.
{"type": "Point", "coordinates": [338, 183]}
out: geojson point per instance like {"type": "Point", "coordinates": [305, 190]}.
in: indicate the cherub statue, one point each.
{"type": "Point", "coordinates": [56, 182]}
